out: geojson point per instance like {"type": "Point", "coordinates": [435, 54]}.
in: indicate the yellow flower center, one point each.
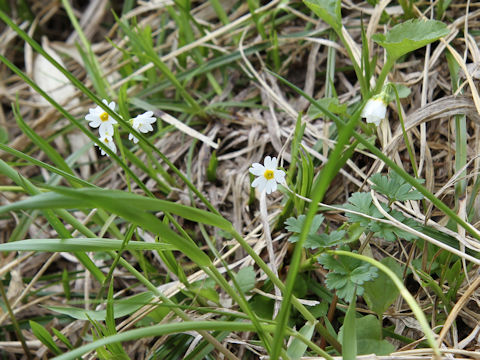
{"type": "Point", "coordinates": [104, 116]}
{"type": "Point", "coordinates": [106, 140]}
{"type": "Point", "coordinates": [268, 174]}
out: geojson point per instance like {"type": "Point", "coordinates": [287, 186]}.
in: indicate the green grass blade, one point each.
{"type": "Point", "coordinates": [349, 342]}
{"type": "Point", "coordinates": [81, 244]}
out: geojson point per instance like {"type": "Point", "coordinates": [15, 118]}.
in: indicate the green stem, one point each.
{"type": "Point", "coordinates": [383, 75]}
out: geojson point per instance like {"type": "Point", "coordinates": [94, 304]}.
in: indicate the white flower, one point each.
{"type": "Point", "coordinates": [107, 139]}
{"type": "Point", "coordinates": [268, 175]}
{"type": "Point", "coordinates": [99, 118]}
{"type": "Point", "coordinates": [142, 123]}
{"type": "Point", "coordinates": [375, 110]}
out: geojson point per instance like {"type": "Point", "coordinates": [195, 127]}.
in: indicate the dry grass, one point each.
{"type": "Point", "coordinates": [244, 135]}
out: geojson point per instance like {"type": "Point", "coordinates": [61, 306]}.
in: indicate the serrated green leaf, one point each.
{"type": "Point", "coordinates": [295, 225]}
{"type": "Point", "coordinates": [346, 274]}
{"type": "Point", "coordinates": [327, 10]}
{"type": "Point", "coordinates": [381, 292]}
{"type": "Point", "coordinates": [246, 278]}
{"type": "Point", "coordinates": [390, 232]}
{"type": "Point", "coordinates": [336, 237]}
{"type": "Point", "coordinates": [410, 35]}
{"type": "Point", "coordinates": [395, 187]}
{"type": "Point", "coordinates": [361, 202]}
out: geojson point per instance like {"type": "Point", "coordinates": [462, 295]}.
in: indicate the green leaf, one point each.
{"type": "Point", "coordinates": [295, 225]}
{"type": "Point", "coordinates": [327, 10]}
{"type": "Point", "coordinates": [390, 232]}
{"type": "Point", "coordinates": [205, 289]}
{"type": "Point", "coordinates": [336, 237]}
{"type": "Point", "coordinates": [246, 278]}
{"type": "Point", "coordinates": [121, 308]}
{"type": "Point", "coordinates": [402, 91]}
{"type": "Point", "coordinates": [297, 348]}
{"type": "Point", "coordinates": [44, 336]}
{"type": "Point", "coordinates": [409, 36]}
{"type": "Point", "coordinates": [331, 104]}
{"type": "Point", "coordinates": [381, 292]}
{"type": "Point", "coordinates": [395, 187]}
{"type": "Point", "coordinates": [361, 202]}
{"type": "Point", "coordinates": [346, 274]}
{"type": "Point", "coordinates": [368, 336]}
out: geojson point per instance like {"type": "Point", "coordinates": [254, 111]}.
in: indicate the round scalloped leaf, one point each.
{"type": "Point", "coordinates": [410, 35]}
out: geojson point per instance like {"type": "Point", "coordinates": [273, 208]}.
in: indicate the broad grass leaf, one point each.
{"type": "Point", "coordinates": [369, 336]}
{"type": "Point", "coordinates": [129, 206]}
{"type": "Point", "coordinates": [327, 10]}
{"type": "Point", "coordinates": [410, 35]}
{"type": "Point", "coordinates": [121, 308]}
{"type": "Point", "coordinates": [246, 278]}
{"type": "Point", "coordinates": [381, 292]}
{"type": "Point", "coordinates": [105, 198]}
{"type": "Point", "coordinates": [297, 348]}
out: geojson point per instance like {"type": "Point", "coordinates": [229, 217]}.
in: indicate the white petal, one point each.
{"type": "Point", "coordinates": [273, 163]}
{"type": "Point", "coordinates": [95, 123]}
{"type": "Point", "coordinates": [257, 169]}
{"type": "Point", "coordinates": [271, 186]}
{"type": "Point", "coordinates": [106, 129]}
{"type": "Point", "coordinates": [279, 176]}
{"type": "Point", "coordinates": [267, 162]}
{"type": "Point", "coordinates": [260, 183]}
{"type": "Point", "coordinates": [112, 105]}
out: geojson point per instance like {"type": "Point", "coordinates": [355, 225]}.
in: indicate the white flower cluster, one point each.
{"type": "Point", "coordinates": [100, 119]}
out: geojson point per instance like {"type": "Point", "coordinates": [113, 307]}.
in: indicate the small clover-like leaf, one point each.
{"type": "Point", "coordinates": [295, 225]}
{"type": "Point", "coordinates": [409, 36]}
{"type": "Point", "coordinates": [327, 10]}
{"type": "Point", "coordinates": [395, 187]}
{"type": "Point", "coordinates": [346, 274]}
